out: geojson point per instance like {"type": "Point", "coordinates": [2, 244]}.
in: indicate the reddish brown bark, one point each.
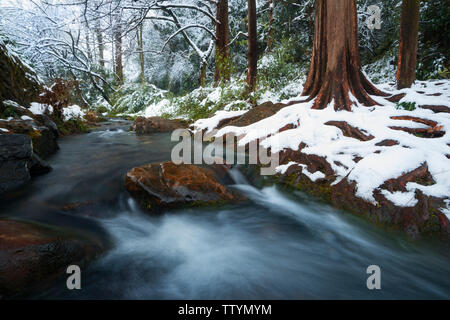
{"type": "Point", "coordinates": [409, 32]}
{"type": "Point", "coordinates": [222, 71]}
{"type": "Point", "coordinates": [252, 46]}
{"type": "Point", "coordinates": [335, 70]}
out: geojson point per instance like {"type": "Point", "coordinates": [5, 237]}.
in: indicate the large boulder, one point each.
{"type": "Point", "coordinates": [167, 185]}
{"type": "Point", "coordinates": [17, 81]}
{"type": "Point", "coordinates": [32, 255]}
{"type": "Point", "coordinates": [17, 161]}
{"type": "Point", "coordinates": [144, 125]}
{"type": "Point", "coordinates": [43, 134]}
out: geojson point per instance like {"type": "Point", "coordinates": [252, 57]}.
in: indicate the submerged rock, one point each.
{"type": "Point", "coordinates": [144, 125]}
{"type": "Point", "coordinates": [32, 255]}
{"type": "Point", "coordinates": [166, 185]}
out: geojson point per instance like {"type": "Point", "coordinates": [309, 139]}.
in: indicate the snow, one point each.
{"type": "Point", "coordinates": [38, 108]}
{"type": "Point", "coordinates": [73, 112]}
{"type": "Point", "coordinates": [401, 199]}
{"type": "Point", "coordinates": [379, 163]}
{"type": "Point", "coordinates": [4, 130]}
{"type": "Point", "coordinates": [446, 210]}
{"type": "Point", "coordinates": [210, 123]}
{"type": "Point", "coordinates": [26, 118]}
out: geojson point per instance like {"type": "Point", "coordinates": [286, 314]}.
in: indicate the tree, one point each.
{"type": "Point", "coordinates": [140, 40]}
{"type": "Point", "coordinates": [101, 48]}
{"type": "Point", "coordinates": [222, 70]}
{"type": "Point", "coordinates": [409, 33]}
{"type": "Point", "coordinates": [118, 65]}
{"type": "Point", "coordinates": [252, 46]}
{"type": "Point", "coordinates": [270, 28]}
{"type": "Point", "coordinates": [335, 71]}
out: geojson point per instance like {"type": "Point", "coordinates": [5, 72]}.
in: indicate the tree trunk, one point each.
{"type": "Point", "coordinates": [270, 30]}
{"type": "Point", "coordinates": [335, 72]}
{"type": "Point", "coordinates": [222, 70]}
{"type": "Point", "coordinates": [118, 49]}
{"type": "Point", "coordinates": [252, 46]}
{"type": "Point", "coordinates": [203, 74]}
{"type": "Point", "coordinates": [141, 52]}
{"type": "Point", "coordinates": [407, 56]}
{"type": "Point", "coordinates": [101, 48]}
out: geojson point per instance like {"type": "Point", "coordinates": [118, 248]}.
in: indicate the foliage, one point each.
{"type": "Point", "coordinates": [408, 106]}
{"type": "Point", "coordinates": [71, 126]}
{"type": "Point", "coordinates": [132, 98]}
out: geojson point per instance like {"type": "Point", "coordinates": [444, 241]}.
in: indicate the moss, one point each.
{"type": "Point", "coordinates": [72, 126]}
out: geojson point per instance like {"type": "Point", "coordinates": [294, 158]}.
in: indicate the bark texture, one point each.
{"type": "Point", "coordinates": [252, 46]}
{"type": "Point", "coordinates": [335, 72]}
{"type": "Point", "coordinates": [407, 56]}
{"type": "Point", "coordinates": [141, 52]}
{"type": "Point", "coordinates": [118, 64]}
{"type": "Point", "coordinates": [222, 70]}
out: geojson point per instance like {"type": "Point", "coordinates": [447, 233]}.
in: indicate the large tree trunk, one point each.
{"type": "Point", "coordinates": [252, 46]}
{"type": "Point", "coordinates": [141, 52]}
{"type": "Point", "coordinates": [118, 49]}
{"type": "Point", "coordinates": [270, 30]}
{"type": "Point", "coordinates": [407, 56]}
{"type": "Point", "coordinates": [101, 48]}
{"type": "Point", "coordinates": [335, 72]}
{"type": "Point", "coordinates": [222, 70]}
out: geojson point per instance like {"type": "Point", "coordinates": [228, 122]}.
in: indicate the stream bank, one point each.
{"type": "Point", "coordinates": [280, 244]}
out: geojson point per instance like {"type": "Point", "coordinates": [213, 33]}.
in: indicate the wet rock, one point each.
{"type": "Point", "coordinates": [33, 255]}
{"type": "Point", "coordinates": [15, 154]}
{"type": "Point", "coordinates": [18, 163]}
{"type": "Point", "coordinates": [166, 185]}
{"type": "Point", "coordinates": [44, 138]}
{"type": "Point", "coordinates": [150, 125]}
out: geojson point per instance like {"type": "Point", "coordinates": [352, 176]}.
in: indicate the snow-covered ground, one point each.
{"type": "Point", "coordinates": [378, 163]}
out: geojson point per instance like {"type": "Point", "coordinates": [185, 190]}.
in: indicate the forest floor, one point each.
{"type": "Point", "coordinates": [395, 153]}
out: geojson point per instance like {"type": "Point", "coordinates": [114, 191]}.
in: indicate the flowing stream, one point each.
{"type": "Point", "coordinates": [279, 245]}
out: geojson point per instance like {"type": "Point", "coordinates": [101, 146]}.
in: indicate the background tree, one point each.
{"type": "Point", "coordinates": [409, 32]}
{"type": "Point", "coordinates": [252, 46]}
{"type": "Point", "coordinates": [335, 69]}
{"type": "Point", "coordinates": [222, 70]}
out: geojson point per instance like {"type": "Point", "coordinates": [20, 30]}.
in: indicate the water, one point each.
{"type": "Point", "coordinates": [279, 245]}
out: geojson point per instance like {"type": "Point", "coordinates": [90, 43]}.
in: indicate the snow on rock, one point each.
{"type": "Point", "coordinates": [38, 108]}
{"type": "Point", "coordinates": [366, 163]}
{"type": "Point", "coordinates": [73, 112]}
{"type": "Point", "coordinates": [211, 123]}
{"type": "Point", "coordinates": [446, 210]}
{"type": "Point", "coordinates": [401, 199]}
{"type": "Point", "coordinates": [26, 118]}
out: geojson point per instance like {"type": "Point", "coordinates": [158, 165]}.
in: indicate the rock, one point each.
{"type": "Point", "coordinates": [37, 166]}
{"type": "Point", "coordinates": [424, 218]}
{"type": "Point", "coordinates": [17, 82]}
{"type": "Point", "coordinates": [44, 138]}
{"type": "Point", "coordinates": [166, 185]}
{"type": "Point", "coordinates": [32, 255]}
{"type": "Point", "coordinates": [144, 125]}
{"type": "Point", "coordinates": [18, 163]}
{"type": "Point", "coordinates": [15, 154]}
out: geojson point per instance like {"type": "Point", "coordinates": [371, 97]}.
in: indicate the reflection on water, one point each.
{"type": "Point", "coordinates": [277, 245]}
